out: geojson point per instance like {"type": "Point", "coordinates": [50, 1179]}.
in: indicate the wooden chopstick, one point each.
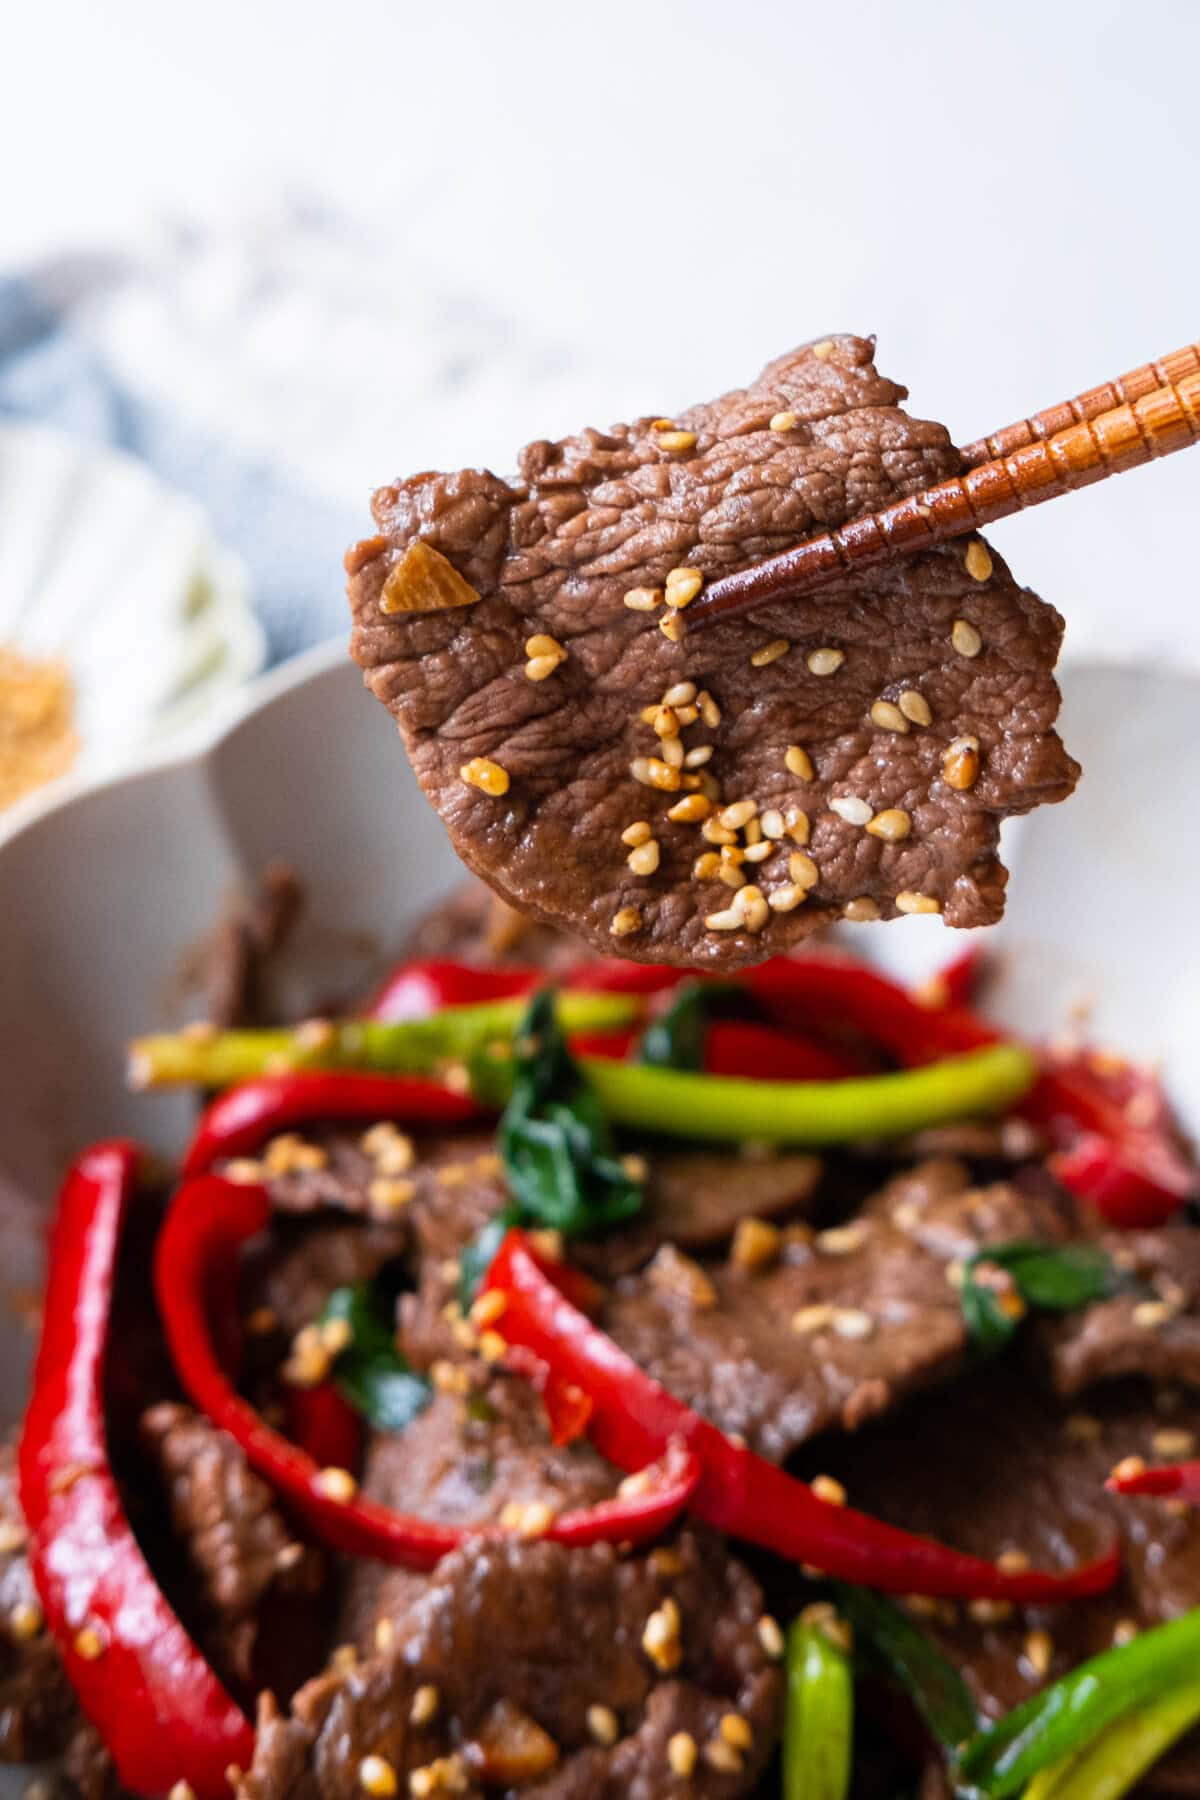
{"type": "Point", "coordinates": [1034, 460]}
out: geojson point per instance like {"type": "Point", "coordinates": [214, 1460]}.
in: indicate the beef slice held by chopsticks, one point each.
{"type": "Point", "coordinates": [711, 798]}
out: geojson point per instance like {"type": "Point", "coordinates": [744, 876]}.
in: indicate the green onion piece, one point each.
{"type": "Point", "coordinates": [1054, 1724]}
{"type": "Point", "coordinates": [409, 1047]}
{"type": "Point", "coordinates": [884, 1634]}
{"type": "Point", "coordinates": [1046, 1277]}
{"type": "Point", "coordinates": [818, 1727]}
{"type": "Point", "coordinates": [726, 1108]}
{"type": "Point", "coordinates": [370, 1372]}
{"type": "Point", "coordinates": [1120, 1756]}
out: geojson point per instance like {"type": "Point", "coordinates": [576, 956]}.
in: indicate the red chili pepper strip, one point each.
{"type": "Point", "coordinates": [822, 992]}
{"type": "Point", "coordinates": [427, 985]}
{"type": "Point", "coordinates": [157, 1704]}
{"type": "Point", "coordinates": [741, 1047]}
{"type": "Point", "coordinates": [612, 975]}
{"type": "Point", "coordinates": [325, 1426]}
{"type": "Point", "coordinates": [955, 982]}
{"type": "Point", "coordinates": [1179, 1479]}
{"type": "Point", "coordinates": [240, 1121]}
{"type": "Point", "coordinates": [205, 1226]}
{"type": "Point", "coordinates": [634, 1418]}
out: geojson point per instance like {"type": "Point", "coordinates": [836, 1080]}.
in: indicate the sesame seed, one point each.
{"type": "Point", "coordinates": [25, 1621]}
{"type": "Point", "coordinates": [823, 1616]}
{"type": "Point", "coordinates": [751, 903]}
{"type": "Point", "coordinates": [892, 824]}
{"type": "Point", "coordinates": [723, 1757]}
{"type": "Point", "coordinates": [444, 1775]}
{"type": "Point", "coordinates": [290, 1155]}
{"type": "Point", "coordinates": [772, 823]}
{"type": "Point", "coordinates": [853, 1324]}
{"type": "Point", "coordinates": [1173, 1443]}
{"type": "Point", "coordinates": [738, 814]}
{"type": "Point", "coordinates": [682, 1753]}
{"type": "Point", "coordinates": [827, 1489]}
{"type": "Point", "coordinates": [1082, 1428]}
{"type": "Point", "coordinates": [825, 661]}
{"type": "Point", "coordinates": [978, 561]}
{"type": "Point", "coordinates": [713, 832]}
{"type": "Point", "coordinates": [770, 653]}
{"type": "Point", "coordinates": [1124, 1632]}
{"type": "Point", "coordinates": [682, 586]}
{"type": "Point", "coordinates": [798, 762]}
{"type": "Point", "coordinates": [960, 763]}
{"type": "Point", "coordinates": [710, 712]}
{"type": "Point", "coordinates": [908, 902]}
{"type": "Point", "coordinates": [643, 599]}
{"type": "Point", "coordinates": [637, 833]}
{"type": "Point", "coordinates": [842, 1240]}
{"type": "Point", "coordinates": [887, 715]}
{"type": "Point", "coordinates": [802, 870]}
{"type": "Point", "coordinates": [644, 859]}
{"type": "Point", "coordinates": [784, 421]}
{"type": "Point", "coordinates": [731, 875]}
{"type": "Point", "coordinates": [666, 723]}
{"type": "Point", "coordinates": [756, 853]}
{"type": "Point", "coordinates": [390, 1193]}
{"type": "Point", "coordinates": [787, 898]}
{"type": "Point", "coordinates": [482, 773]}
{"type": "Point", "coordinates": [336, 1484]}
{"type": "Point", "coordinates": [661, 1637]}
{"type": "Point", "coordinates": [687, 715]}
{"type": "Point", "coordinates": [671, 629]}
{"type": "Point", "coordinates": [725, 920]}
{"type": "Point", "coordinates": [179, 1790]}
{"type": "Point", "coordinates": [1148, 1315]}
{"type": "Point", "coordinates": [756, 1244]}
{"type": "Point", "coordinates": [812, 1318]}
{"type": "Point", "coordinates": [489, 1308]}
{"type": "Point", "coordinates": [861, 910]}
{"type": "Point", "coordinates": [672, 752]}
{"type": "Point", "coordinates": [690, 810]}
{"type": "Point", "coordinates": [707, 866]}
{"type": "Point", "coordinates": [1129, 1468]}
{"type": "Point", "coordinates": [377, 1777]}
{"type": "Point", "coordinates": [541, 644]}
{"type": "Point", "coordinates": [697, 756]}
{"type": "Point", "coordinates": [990, 1612]}
{"type": "Point", "coordinates": [662, 424]}
{"type": "Point", "coordinates": [915, 707]}
{"type": "Point", "coordinates": [965, 638]}
{"type": "Point", "coordinates": [528, 1518]}
{"type": "Point", "coordinates": [540, 668]}
{"type": "Point", "coordinates": [89, 1644]}
{"type": "Point", "coordinates": [390, 1149]}
{"type": "Point", "coordinates": [1039, 1645]}
{"type": "Point", "coordinates": [425, 1703]}
{"type": "Point", "coordinates": [824, 350]}
{"type": "Point", "coordinates": [652, 772]}
{"type": "Point", "coordinates": [603, 1725]}
{"type": "Point", "coordinates": [1013, 1562]}
{"type": "Point", "coordinates": [852, 809]}
{"type": "Point", "coordinates": [243, 1171]}
{"type": "Point", "coordinates": [797, 823]}
{"type": "Point", "coordinates": [680, 693]}
{"type": "Point", "coordinates": [771, 1637]}
{"type": "Point", "coordinates": [676, 440]}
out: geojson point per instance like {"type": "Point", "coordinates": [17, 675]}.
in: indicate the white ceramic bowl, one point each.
{"type": "Point", "coordinates": [103, 888]}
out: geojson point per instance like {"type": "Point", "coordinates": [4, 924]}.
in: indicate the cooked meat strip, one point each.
{"type": "Point", "coordinates": [1153, 1330]}
{"type": "Point", "coordinates": [306, 1259]}
{"type": "Point", "coordinates": [841, 1325]}
{"type": "Point", "coordinates": [228, 966]}
{"type": "Point", "coordinates": [1001, 1466]}
{"type": "Point", "coordinates": [259, 1586]}
{"type": "Point", "coordinates": [523, 1642]}
{"type": "Point", "coordinates": [921, 692]}
{"type": "Point", "coordinates": [474, 925]}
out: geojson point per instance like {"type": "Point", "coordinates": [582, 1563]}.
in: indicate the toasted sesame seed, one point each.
{"type": "Point", "coordinates": [1124, 1632]}
{"type": "Point", "coordinates": [823, 350]}
{"type": "Point", "coordinates": [915, 707]}
{"type": "Point", "coordinates": [787, 898]}
{"type": "Point", "coordinates": [682, 586]}
{"type": "Point", "coordinates": [697, 756]}
{"type": "Point", "coordinates": [892, 824]}
{"type": "Point", "coordinates": [540, 668]}
{"type": "Point", "coordinates": [603, 1725]}
{"type": "Point", "coordinates": [827, 1489]}
{"type": "Point", "coordinates": [887, 715]}
{"type": "Point", "coordinates": [661, 1637]}
{"type": "Point", "coordinates": [726, 920]}
{"type": "Point", "coordinates": [751, 903]}
{"type": "Point", "coordinates": [541, 644]}
{"type": "Point", "coordinates": [770, 1636]}
{"type": "Point", "coordinates": [489, 1308]}
{"type": "Point", "coordinates": [390, 1193]}
{"type": "Point", "coordinates": [758, 852]}
{"type": "Point", "coordinates": [784, 421]}
{"type": "Point", "coordinates": [713, 832]}
{"type": "Point", "coordinates": [740, 813]}
{"type": "Point", "coordinates": [676, 440]}
{"type": "Point", "coordinates": [802, 870]}
{"type": "Point", "coordinates": [707, 867]}
{"type": "Point", "coordinates": [644, 859]}
{"type": "Point", "coordinates": [710, 712]}
{"type": "Point", "coordinates": [909, 902]}
{"type": "Point", "coordinates": [672, 752]}
{"type": "Point", "coordinates": [1173, 1443]}
{"type": "Point", "coordinates": [852, 809]}
{"type": "Point", "coordinates": [960, 763]}
{"type": "Point", "coordinates": [662, 424]}
{"type": "Point", "coordinates": [756, 1244]}
{"type": "Point", "coordinates": [626, 919]}
{"type": "Point", "coordinates": [690, 810]}
{"type": "Point", "coordinates": [853, 1324]}
{"type": "Point", "coordinates": [528, 1518]}
{"type": "Point", "coordinates": [861, 910]}
{"type": "Point", "coordinates": [666, 722]}
{"type": "Point", "coordinates": [1012, 1562]}
{"type": "Point", "coordinates": [771, 823]}
{"type": "Point", "coordinates": [336, 1484]}
{"type": "Point", "coordinates": [425, 1703]}
{"type": "Point", "coordinates": [671, 628]}
{"type": "Point", "coordinates": [444, 1775]}
{"type": "Point", "coordinates": [731, 875]}
{"type": "Point", "coordinates": [812, 1318]}
{"type": "Point", "coordinates": [965, 638]}
{"type": "Point", "coordinates": [1082, 1428]}
{"type": "Point", "coordinates": [824, 1617]}
{"type": "Point", "coordinates": [1039, 1645]}
{"type": "Point", "coordinates": [377, 1777]}
{"type": "Point", "coordinates": [682, 1754]}
{"type": "Point", "coordinates": [1149, 1315]}
{"type": "Point", "coordinates": [825, 661]}
{"type": "Point", "coordinates": [243, 1171]}
{"type": "Point", "coordinates": [482, 773]}
{"type": "Point", "coordinates": [842, 1240]}
{"type": "Point", "coordinates": [797, 823]}
{"type": "Point", "coordinates": [990, 1612]}
{"type": "Point", "coordinates": [89, 1644]}
{"type": "Point", "coordinates": [680, 693]}
{"type": "Point", "coordinates": [637, 833]}
{"type": "Point", "coordinates": [25, 1621]}
{"type": "Point", "coordinates": [390, 1149]}
{"type": "Point", "coordinates": [723, 1757]}
{"type": "Point", "coordinates": [179, 1790]}
{"type": "Point", "coordinates": [291, 1155]}
{"type": "Point", "coordinates": [978, 561]}
{"type": "Point", "coordinates": [798, 762]}
{"type": "Point", "coordinates": [1129, 1468]}
{"type": "Point", "coordinates": [643, 599]}
{"type": "Point", "coordinates": [654, 773]}
{"type": "Point", "coordinates": [770, 653]}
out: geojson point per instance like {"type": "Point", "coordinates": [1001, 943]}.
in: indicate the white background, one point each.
{"type": "Point", "coordinates": [653, 198]}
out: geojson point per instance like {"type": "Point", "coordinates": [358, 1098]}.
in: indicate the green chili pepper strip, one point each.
{"type": "Point", "coordinates": [412, 1047]}
{"type": "Point", "coordinates": [819, 1721]}
{"type": "Point", "coordinates": [887, 1636]}
{"type": "Point", "coordinates": [1053, 1725]}
{"type": "Point", "coordinates": [725, 1107]}
{"type": "Point", "coordinates": [1120, 1756]}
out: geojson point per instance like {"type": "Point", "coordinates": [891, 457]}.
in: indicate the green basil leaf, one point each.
{"type": "Point", "coordinates": [1053, 1278]}
{"type": "Point", "coordinates": [886, 1636]}
{"type": "Point", "coordinates": [675, 1040]}
{"type": "Point", "coordinates": [476, 1258]}
{"type": "Point", "coordinates": [370, 1372]}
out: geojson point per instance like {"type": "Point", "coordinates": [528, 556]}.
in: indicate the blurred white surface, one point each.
{"type": "Point", "coordinates": [563, 214]}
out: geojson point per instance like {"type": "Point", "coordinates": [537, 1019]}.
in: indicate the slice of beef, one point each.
{"type": "Point", "coordinates": [948, 636]}
{"type": "Point", "coordinates": [38, 1709]}
{"type": "Point", "coordinates": [474, 925]}
{"type": "Point", "coordinates": [259, 1587]}
{"type": "Point", "coordinates": [306, 1259]}
{"type": "Point", "coordinates": [1154, 1330]}
{"type": "Point", "coordinates": [996, 1464]}
{"type": "Point", "coordinates": [517, 1635]}
{"type": "Point", "coordinates": [841, 1327]}
{"type": "Point", "coordinates": [227, 968]}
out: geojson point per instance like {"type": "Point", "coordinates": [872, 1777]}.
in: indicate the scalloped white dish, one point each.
{"type": "Point", "coordinates": [104, 887]}
{"type": "Point", "coordinates": [106, 569]}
